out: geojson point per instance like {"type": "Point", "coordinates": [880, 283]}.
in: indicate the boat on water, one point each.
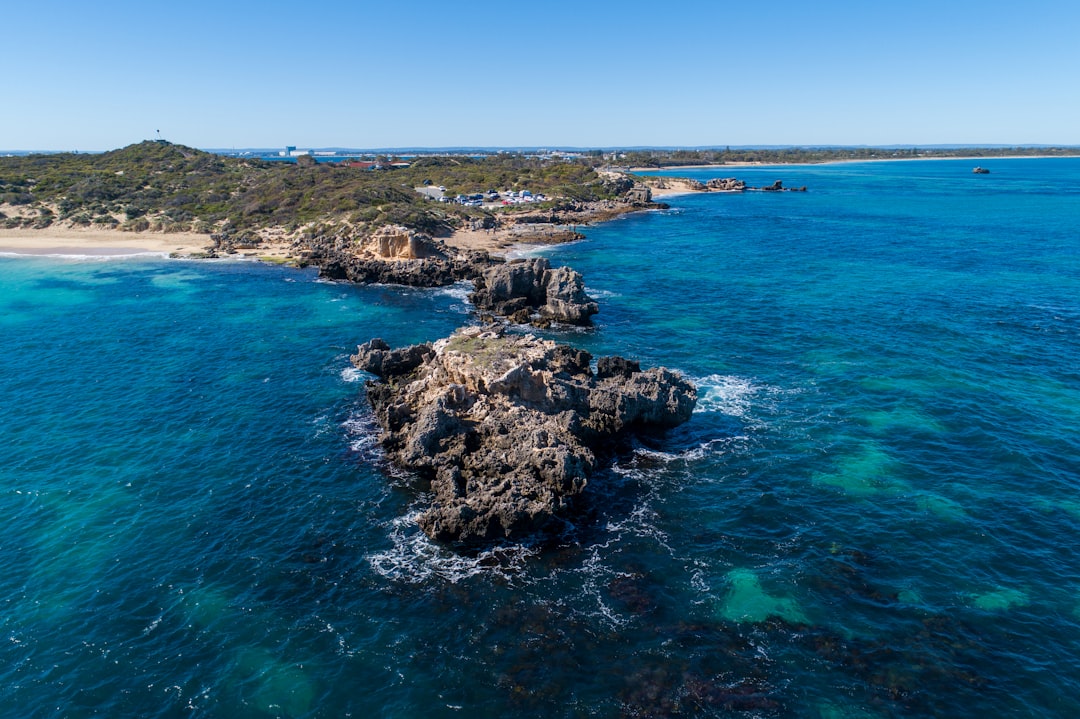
{"type": "Point", "coordinates": [981, 171]}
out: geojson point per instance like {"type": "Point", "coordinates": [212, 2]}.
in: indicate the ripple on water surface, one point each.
{"type": "Point", "coordinates": [873, 501]}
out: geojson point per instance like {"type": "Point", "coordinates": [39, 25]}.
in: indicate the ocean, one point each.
{"type": "Point", "coordinates": [872, 512]}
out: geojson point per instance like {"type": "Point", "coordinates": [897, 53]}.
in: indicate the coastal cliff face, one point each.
{"type": "Point", "coordinates": [394, 242]}
{"type": "Point", "coordinates": [508, 427]}
{"type": "Point", "coordinates": [393, 255]}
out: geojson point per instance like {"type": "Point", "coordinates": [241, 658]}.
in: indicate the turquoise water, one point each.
{"type": "Point", "coordinates": [871, 514]}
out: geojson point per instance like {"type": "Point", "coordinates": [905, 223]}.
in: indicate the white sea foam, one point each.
{"type": "Point", "coordinates": [600, 294]}
{"type": "Point", "coordinates": [415, 559]}
{"type": "Point", "coordinates": [526, 251]}
{"type": "Point", "coordinates": [362, 433]}
{"type": "Point", "coordinates": [725, 394]}
{"type": "Point", "coordinates": [458, 290]}
{"type": "Point", "coordinates": [641, 522]}
{"type": "Point", "coordinates": [352, 374]}
{"type": "Point", "coordinates": [80, 257]}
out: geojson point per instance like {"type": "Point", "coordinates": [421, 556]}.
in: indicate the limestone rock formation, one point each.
{"type": "Point", "coordinates": [393, 242]}
{"type": "Point", "coordinates": [394, 255]}
{"type": "Point", "coordinates": [427, 272]}
{"type": "Point", "coordinates": [531, 291]}
{"type": "Point", "coordinates": [725, 184]}
{"type": "Point", "coordinates": [507, 427]}
{"type": "Point", "coordinates": [778, 186]}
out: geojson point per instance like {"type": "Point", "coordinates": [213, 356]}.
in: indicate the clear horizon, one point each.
{"type": "Point", "coordinates": [698, 74]}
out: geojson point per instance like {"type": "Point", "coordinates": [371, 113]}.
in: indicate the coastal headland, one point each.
{"type": "Point", "coordinates": [161, 197]}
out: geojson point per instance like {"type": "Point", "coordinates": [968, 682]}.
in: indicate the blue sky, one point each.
{"type": "Point", "coordinates": [433, 73]}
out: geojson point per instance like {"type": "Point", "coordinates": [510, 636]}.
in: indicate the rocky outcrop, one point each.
{"type": "Point", "coordinates": [393, 255]}
{"type": "Point", "coordinates": [718, 184]}
{"type": "Point", "coordinates": [531, 291]}
{"type": "Point", "coordinates": [639, 195]}
{"type": "Point", "coordinates": [681, 184]}
{"type": "Point", "coordinates": [725, 184]}
{"type": "Point", "coordinates": [778, 186]}
{"type": "Point", "coordinates": [394, 242]}
{"type": "Point", "coordinates": [429, 272]}
{"type": "Point", "coordinates": [524, 291]}
{"type": "Point", "coordinates": [508, 427]}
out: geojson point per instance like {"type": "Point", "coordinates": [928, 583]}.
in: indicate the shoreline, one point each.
{"type": "Point", "coordinates": [503, 241]}
{"type": "Point", "coordinates": [506, 239]}
{"type": "Point", "coordinates": [100, 242]}
{"type": "Point", "coordinates": [104, 243]}
{"type": "Point", "coordinates": [638, 170]}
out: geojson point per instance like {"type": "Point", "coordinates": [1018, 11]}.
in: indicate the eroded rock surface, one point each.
{"type": "Point", "coordinates": [725, 184]}
{"type": "Point", "coordinates": [507, 426]}
{"type": "Point", "coordinates": [531, 291]}
{"type": "Point", "coordinates": [394, 255]}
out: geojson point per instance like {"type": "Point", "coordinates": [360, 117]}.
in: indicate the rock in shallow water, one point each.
{"type": "Point", "coordinates": [531, 291]}
{"type": "Point", "coordinates": [506, 426]}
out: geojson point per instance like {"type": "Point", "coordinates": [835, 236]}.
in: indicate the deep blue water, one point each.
{"type": "Point", "coordinates": [872, 513]}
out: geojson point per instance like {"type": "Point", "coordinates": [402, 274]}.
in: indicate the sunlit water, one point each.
{"type": "Point", "coordinates": [872, 513]}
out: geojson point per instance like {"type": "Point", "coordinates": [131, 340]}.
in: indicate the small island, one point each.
{"type": "Point", "coordinates": [509, 428]}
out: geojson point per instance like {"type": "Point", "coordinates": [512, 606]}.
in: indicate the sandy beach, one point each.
{"type": "Point", "coordinates": [68, 241]}
{"type": "Point", "coordinates": [116, 243]}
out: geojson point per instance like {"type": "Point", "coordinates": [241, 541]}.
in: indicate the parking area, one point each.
{"type": "Point", "coordinates": [490, 199]}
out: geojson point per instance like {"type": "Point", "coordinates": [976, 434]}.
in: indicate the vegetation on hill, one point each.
{"type": "Point", "coordinates": [165, 187]}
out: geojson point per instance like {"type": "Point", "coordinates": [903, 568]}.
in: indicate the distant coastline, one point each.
{"type": "Point", "coordinates": [972, 158]}
{"type": "Point", "coordinates": [58, 225]}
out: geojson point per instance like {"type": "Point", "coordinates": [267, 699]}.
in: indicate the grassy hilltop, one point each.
{"type": "Point", "coordinates": [159, 186]}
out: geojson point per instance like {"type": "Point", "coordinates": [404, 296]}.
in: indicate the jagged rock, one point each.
{"type": "Point", "coordinates": [532, 289]}
{"type": "Point", "coordinates": [391, 255]}
{"type": "Point", "coordinates": [415, 273]}
{"type": "Point", "coordinates": [778, 186]}
{"type": "Point", "coordinates": [616, 367]}
{"type": "Point", "coordinates": [507, 426]}
{"type": "Point", "coordinates": [638, 195]}
{"type": "Point", "coordinates": [725, 184]}
{"type": "Point", "coordinates": [385, 362]}
{"type": "Point", "coordinates": [618, 184]}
